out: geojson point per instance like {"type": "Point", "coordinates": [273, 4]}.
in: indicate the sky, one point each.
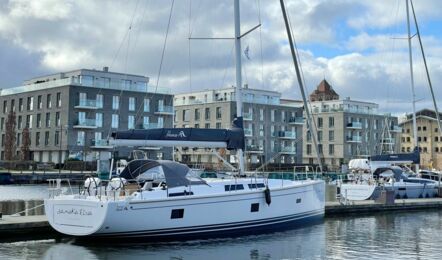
{"type": "Point", "coordinates": [358, 46]}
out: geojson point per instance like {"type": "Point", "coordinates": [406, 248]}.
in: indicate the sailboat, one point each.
{"type": "Point", "coordinates": [168, 202]}
{"type": "Point", "coordinates": [382, 172]}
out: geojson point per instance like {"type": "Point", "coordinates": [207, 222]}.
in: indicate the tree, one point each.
{"type": "Point", "coordinates": [26, 142]}
{"type": "Point", "coordinates": [10, 136]}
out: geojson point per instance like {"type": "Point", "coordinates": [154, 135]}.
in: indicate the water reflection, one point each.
{"type": "Point", "coordinates": [414, 235]}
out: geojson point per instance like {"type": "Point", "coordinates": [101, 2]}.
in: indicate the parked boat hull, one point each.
{"type": "Point", "coordinates": [190, 217]}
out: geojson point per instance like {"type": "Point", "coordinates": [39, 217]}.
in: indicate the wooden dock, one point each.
{"type": "Point", "coordinates": [17, 228]}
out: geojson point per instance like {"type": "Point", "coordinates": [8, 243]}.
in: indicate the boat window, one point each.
{"type": "Point", "coordinates": [298, 200]}
{"type": "Point", "coordinates": [184, 193]}
{"type": "Point", "coordinates": [155, 173]}
{"type": "Point", "coordinates": [254, 207]}
{"type": "Point", "coordinates": [177, 213]}
{"type": "Point", "coordinates": [256, 185]}
{"type": "Point", "coordinates": [233, 187]}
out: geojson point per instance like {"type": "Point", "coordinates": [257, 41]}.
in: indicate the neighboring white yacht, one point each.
{"type": "Point", "coordinates": [370, 177]}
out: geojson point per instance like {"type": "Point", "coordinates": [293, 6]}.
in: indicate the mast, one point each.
{"type": "Point", "coordinates": [240, 152]}
{"type": "Point", "coordinates": [310, 125]}
{"type": "Point", "coordinates": [412, 82]}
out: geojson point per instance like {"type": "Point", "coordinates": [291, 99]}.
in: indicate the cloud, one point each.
{"type": "Point", "coordinates": [346, 41]}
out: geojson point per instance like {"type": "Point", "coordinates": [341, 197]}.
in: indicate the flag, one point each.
{"type": "Point", "coordinates": [246, 52]}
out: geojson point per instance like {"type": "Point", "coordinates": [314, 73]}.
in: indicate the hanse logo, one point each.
{"type": "Point", "coordinates": [180, 134]}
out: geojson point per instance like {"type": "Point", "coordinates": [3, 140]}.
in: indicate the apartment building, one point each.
{"type": "Point", "coordinates": [429, 139]}
{"type": "Point", "coordinates": [347, 129]}
{"type": "Point", "coordinates": [70, 114]}
{"type": "Point", "coordinates": [272, 125]}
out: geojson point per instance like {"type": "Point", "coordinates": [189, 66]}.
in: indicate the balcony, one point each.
{"type": "Point", "coordinates": [354, 139]}
{"type": "Point", "coordinates": [396, 129]}
{"type": "Point", "coordinates": [296, 120]}
{"type": "Point", "coordinates": [284, 134]}
{"type": "Point", "coordinates": [165, 110]}
{"type": "Point", "coordinates": [248, 132]}
{"type": "Point", "coordinates": [148, 126]}
{"type": "Point", "coordinates": [288, 150]}
{"type": "Point", "coordinates": [355, 125]}
{"type": "Point", "coordinates": [247, 116]}
{"type": "Point", "coordinates": [254, 149]}
{"type": "Point", "coordinates": [86, 124]}
{"type": "Point", "coordinates": [100, 144]}
{"type": "Point", "coordinates": [87, 104]}
{"type": "Point", "coordinates": [388, 141]}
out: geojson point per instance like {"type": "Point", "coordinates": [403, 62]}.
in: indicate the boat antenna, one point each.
{"type": "Point", "coordinates": [412, 83]}
{"type": "Point", "coordinates": [426, 67]}
{"type": "Point", "coordinates": [301, 84]}
{"type": "Point", "coordinates": [240, 152]}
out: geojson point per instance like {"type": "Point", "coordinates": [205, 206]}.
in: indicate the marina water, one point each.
{"type": "Point", "coordinates": [405, 235]}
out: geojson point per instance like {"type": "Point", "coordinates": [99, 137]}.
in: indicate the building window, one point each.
{"type": "Point", "coordinates": [418, 128]}
{"type": "Point", "coordinates": [20, 104]}
{"type": "Point", "coordinates": [186, 116]}
{"type": "Point", "coordinates": [436, 139]}
{"type": "Point", "coordinates": [37, 138]}
{"type": "Point", "coordinates": [197, 125]}
{"type": "Point", "coordinates": [207, 113]}
{"type": "Point", "coordinates": [57, 138]}
{"type": "Point", "coordinates": [57, 119]}
{"type": "Point", "coordinates": [29, 121]}
{"type": "Point", "coordinates": [131, 104]}
{"type": "Point", "coordinates": [81, 118]}
{"type": "Point", "coordinates": [331, 122]}
{"type": "Point", "coordinates": [48, 119]}
{"type": "Point", "coordinates": [99, 119]}
{"type": "Point", "coordinates": [207, 125]}
{"type": "Point", "coordinates": [39, 102]}
{"type": "Point", "coordinates": [30, 104]}
{"type": "Point", "coordinates": [19, 122]}
{"type": "Point", "coordinates": [160, 122]}
{"type": "Point", "coordinates": [309, 136]}
{"type": "Point", "coordinates": [218, 125]}
{"type": "Point", "coordinates": [38, 120]}
{"type": "Point", "coordinates": [261, 114]}
{"type": "Point", "coordinates": [424, 128]}
{"type": "Point", "coordinates": [47, 138]}
{"type": "Point", "coordinates": [49, 101]}
{"type": "Point", "coordinates": [218, 113]}
{"type": "Point", "coordinates": [272, 115]}
{"type": "Point", "coordinates": [320, 122]}
{"type": "Point", "coordinates": [114, 121]}
{"type": "Point", "coordinates": [13, 105]}
{"type": "Point", "coordinates": [319, 136]}
{"type": "Point", "coordinates": [408, 139]}
{"type": "Point", "coordinates": [197, 114]}
{"type": "Point", "coordinates": [115, 102]}
{"type": "Point", "coordinates": [436, 149]}
{"type": "Point", "coordinates": [99, 101]}
{"type": "Point", "coordinates": [320, 148]}
{"type": "Point", "coordinates": [97, 136]}
{"type": "Point", "coordinates": [80, 138]}
{"type": "Point", "coordinates": [309, 149]}
{"type": "Point", "coordinates": [146, 122]}
{"type": "Point", "coordinates": [131, 122]}
{"type": "Point", "coordinates": [18, 139]}
{"type": "Point", "coordinates": [331, 149]}
{"type": "Point", "coordinates": [58, 99]}
{"type": "Point", "coordinates": [331, 135]}
{"type": "Point", "coordinates": [146, 105]}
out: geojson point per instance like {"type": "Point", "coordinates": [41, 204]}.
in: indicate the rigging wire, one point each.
{"type": "Point", "coordinates": [260, 43]}
{"type": "Point", "coordinates": [139, 111]}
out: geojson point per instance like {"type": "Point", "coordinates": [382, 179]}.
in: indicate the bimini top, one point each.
{"type": "Point", "coordinates": [174, 173]}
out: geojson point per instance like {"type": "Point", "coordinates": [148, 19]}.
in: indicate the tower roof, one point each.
{"type": "Point", "coordinates": [324, 91]}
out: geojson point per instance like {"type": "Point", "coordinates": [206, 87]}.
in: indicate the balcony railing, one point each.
{"type": "Point", "coordinates": [388, 140]}
{"type": "Point", "coordinates": [148, 126]}
{"type": "Point", "coordinates": [248, 132]}
{"type": "Point", "coordinates": [296, 120]}
{"type": "Point", "coordinates": [354, 138]}
{"type": "Point", "coordinates": [87, 104]}
{"type": "Point", "coordinates": [396, 128]}
{"type": "Point", "coordinates": [86, 123]}
{"type": "Point", "coordinates": [355, 125]}
{"type": "Point", "coordinates": [288, 149]}
{"type": "Point", "coordinates": [254, 148]}
{"type": "Point", "coordinates": [165, 110]}
{"type": "Point", "coordinates": [100, 143]}
{"type": "Point", "coordinates": [247, 116]}
{"type": "Point", "coordinates": [284, 134]}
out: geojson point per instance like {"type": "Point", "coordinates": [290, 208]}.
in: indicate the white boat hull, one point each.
{"type": "Point", "coordinates": [222, 214]}
{"type": "Point", "coordinates": [404, 190]}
